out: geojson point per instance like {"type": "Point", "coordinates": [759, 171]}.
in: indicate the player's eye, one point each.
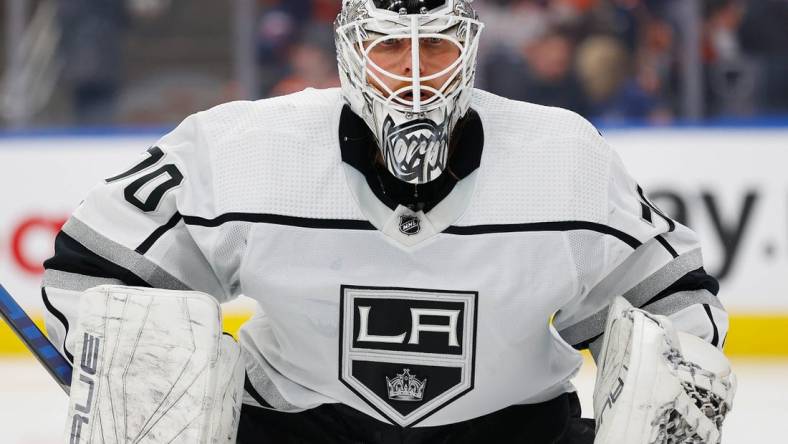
{"type": "Point", "coordinates": [391, 43]}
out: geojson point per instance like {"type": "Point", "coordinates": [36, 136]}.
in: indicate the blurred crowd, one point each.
{"type": "Point", "coordinates": [609, 60]}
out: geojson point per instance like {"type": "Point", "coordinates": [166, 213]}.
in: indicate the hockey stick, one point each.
{"type": "Point", "coordinates": [46, 353]}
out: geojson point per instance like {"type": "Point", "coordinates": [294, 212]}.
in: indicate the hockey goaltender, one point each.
{"type": "Point", "coordinates": [427, 258]}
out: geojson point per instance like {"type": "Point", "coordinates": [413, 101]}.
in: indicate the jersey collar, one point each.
{"type": "Point", "coordinates": [389, 203]}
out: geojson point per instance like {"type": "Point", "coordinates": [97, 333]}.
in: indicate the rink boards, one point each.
{"type": "Point", "coordinates": [728, 183]}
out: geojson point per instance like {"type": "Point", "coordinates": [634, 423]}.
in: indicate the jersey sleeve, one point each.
{"type": "Point", "coordinates": [130, 230]}
{"type": "Point", "coordinates": [651, 260]}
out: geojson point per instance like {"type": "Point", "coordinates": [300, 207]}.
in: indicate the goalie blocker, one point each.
{"type": "Point", "coordinates": [658, 385]}
{"type": "Point", "coordinates": [153, 366]}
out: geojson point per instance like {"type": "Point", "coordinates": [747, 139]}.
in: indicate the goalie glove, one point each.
{"type": "Point", "coordinates": [656, 385]}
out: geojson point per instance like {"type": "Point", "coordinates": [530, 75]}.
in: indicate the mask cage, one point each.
{"type": "Point", "coordinates": [410, 6]}
{"type": "Point", "coordinates": [356, 39]}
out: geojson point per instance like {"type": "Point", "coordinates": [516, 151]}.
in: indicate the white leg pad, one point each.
{"type": "Point", "coordinates": [152, 366]}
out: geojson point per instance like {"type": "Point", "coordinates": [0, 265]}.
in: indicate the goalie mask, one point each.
{"type": "Point", "coordinates": [407, 68]}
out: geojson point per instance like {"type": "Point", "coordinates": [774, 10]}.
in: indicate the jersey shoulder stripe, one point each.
{"type": "Point", "coordinates": [570, 225]}
{"type": "Point", "coordinates": [279, 219]}
{"type": "Point", "coordinates": [356, 224]}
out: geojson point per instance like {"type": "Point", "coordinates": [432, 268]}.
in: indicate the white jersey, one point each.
{"type": "Point", "coordinates": [417, 319]}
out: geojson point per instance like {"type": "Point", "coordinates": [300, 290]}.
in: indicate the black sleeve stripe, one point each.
{"type": "Point", "coordinates": [254, 394]}
{"type": "Point", "coordinates": [694, 280]}
{"type": "Point", "coordinates": [158, 233]}
{"type": "Point", "coordinates": [60, 317]}
{"type": "Point", "coordinates": [715, 340]}
{"type": "Point", "coordinates": [667, 246]}
{"type": "Point", "coordinates": [584, 345]}
{"type": "Point", "coordinates": [73, 257]}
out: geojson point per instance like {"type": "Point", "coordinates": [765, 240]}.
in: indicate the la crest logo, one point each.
{"type": "Point", "coordinates": [394, 340]}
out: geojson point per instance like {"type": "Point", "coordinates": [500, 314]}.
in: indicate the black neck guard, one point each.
{"type": "Point", "coordinates": [359, 150]}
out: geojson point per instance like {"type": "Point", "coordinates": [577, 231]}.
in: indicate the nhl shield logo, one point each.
{"type": "Point", "coordinates": [409, 225]}
{"type": "Point", "coordinates": [407, 352]}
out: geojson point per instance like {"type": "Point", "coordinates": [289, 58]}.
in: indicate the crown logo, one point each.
{"type": "Point", "coordinates": [406, 387]}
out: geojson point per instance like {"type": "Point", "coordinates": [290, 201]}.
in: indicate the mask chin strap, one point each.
{"type": "Point", "coordinates": [415, 63]}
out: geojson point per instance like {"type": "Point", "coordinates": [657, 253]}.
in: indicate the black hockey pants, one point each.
{"type": "Point", "coordinates": [553, 422]}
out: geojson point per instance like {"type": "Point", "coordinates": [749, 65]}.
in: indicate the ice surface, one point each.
{"type": "Point", "coordinates": [33, 408]}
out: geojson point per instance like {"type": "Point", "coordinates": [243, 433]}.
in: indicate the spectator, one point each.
{"type": "Point", "coordinates": [605, 68]}
{"type": "Point", "coordinates": [541, 72]}
{"type": "Point", "coordinates": [310, 63]}
{"type": "Point", "coordinates": [731, 77]}
{"type": "Point", "coordinates": [607, 59]}
{"type": "Point", "coordinates": [655, 67]}
{"type": "Point", "coordinates": [764, 34]}
{"type": "Point", "coordinates": [283, 53]}
{"type": "Point", "coordinates": [91, 45]}
{"type": "Point", "coordinates": [512, 24]}
{"type": "Point", "coordinates": [277, 29]}
{"type": "Point", "coordinates": [764, 30]}
{"type": "Point", "coordinates": [721, 41]}
{"type": "Point", "coordinates": [621, 19]}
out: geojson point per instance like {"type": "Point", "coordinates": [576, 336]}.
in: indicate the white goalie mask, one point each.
{"type": "Point", "coordinates": [406, 68]}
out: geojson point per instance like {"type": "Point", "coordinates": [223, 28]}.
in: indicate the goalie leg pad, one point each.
{"type": "Point", "coordinates": [153, 366]}
{"type": "Point", "coordinates": [657, 385]}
